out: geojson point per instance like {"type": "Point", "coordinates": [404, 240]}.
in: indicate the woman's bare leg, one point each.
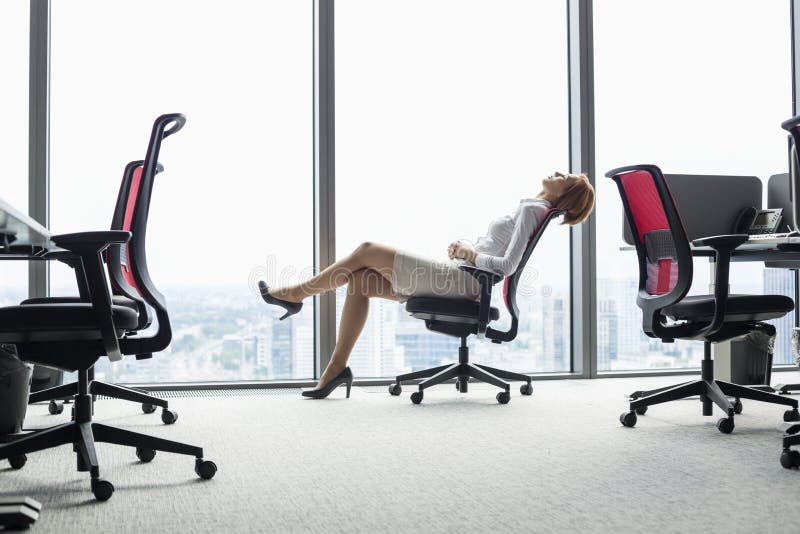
{"type": "Point", "coordinates": [367, 255]}
{"type": "Point", "coordinates": [363, 284]}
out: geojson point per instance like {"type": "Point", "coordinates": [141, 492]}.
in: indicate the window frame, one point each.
{"type": "Point", "coordinates": [579, 25]}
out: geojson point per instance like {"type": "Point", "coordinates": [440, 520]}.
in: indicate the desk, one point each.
{"type": "Point", "coordinates": [21, 237]}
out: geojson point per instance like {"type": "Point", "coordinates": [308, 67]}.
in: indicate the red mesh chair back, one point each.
{"type": "Point", "coordinates": [127, 264]}
{"type": "Point", "coordinates": [138, 208]}
{"type": "Point", "coordinates": [663, 250]}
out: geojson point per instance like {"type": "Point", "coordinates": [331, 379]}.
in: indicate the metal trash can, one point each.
{"type": "Point", "coordinates": [15, 383]}
{"type": "Point", "coordinates": [746, 360]}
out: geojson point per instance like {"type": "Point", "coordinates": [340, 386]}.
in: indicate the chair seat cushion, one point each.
{"type": "Point", "coordinates": [441, 308]}
{"type": "Point", "coordinates": [119, 300]}
{"type": "Point", "coordinates": [60, 317]}
{"type": "Point", "coordinates": [737, 308]}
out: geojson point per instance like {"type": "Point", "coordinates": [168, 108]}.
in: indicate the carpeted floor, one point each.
{"type": "Point", "coordinates": [558, 461]}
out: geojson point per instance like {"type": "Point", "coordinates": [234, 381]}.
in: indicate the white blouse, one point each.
{"type": "Point", "coordinates": [501, 249]}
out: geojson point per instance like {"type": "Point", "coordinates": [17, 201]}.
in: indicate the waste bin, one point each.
{"type": "Point", "coordinates": [746, 360]}
{"type": "Point", "coordinates": [15, 383]}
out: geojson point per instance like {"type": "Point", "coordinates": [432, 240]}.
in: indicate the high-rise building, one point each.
{"type": "Point", "coordinates": [261, 348]}
{"type": "Point", "coordinates": [607, 335]}
{"type": "Point", "coordinates": [282, 348]}
{"type": "Point", "coordinates": [553, 342]}
{"type": "Point", "coordinates": [781, 282]}
{"type": "Point", "coordinates": [303, 355]}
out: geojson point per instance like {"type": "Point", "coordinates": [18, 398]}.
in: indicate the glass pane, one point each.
{"type": "Point", "coordinates": [436, 136]}
{"type": "Point", "coordinates": [235, 201]}
{"type": "Point", "coordinates": [14, 43]}
{"type": "Point", "coordinates": [703, 94]}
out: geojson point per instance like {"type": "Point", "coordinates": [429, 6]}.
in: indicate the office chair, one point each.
{"type": "Point", "coordinates": [665, 277]}
{"type": "Point", "coordinates": [73, 336]}
{"type": "Point", "coordinates": [462, 317]}
{"type": "Point", "coordinates": [793, 127]}
{"type": "Point", "coordinates": [122, 283]}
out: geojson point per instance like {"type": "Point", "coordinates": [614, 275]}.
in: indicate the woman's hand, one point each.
{"type": "Point", "coordinates": [458, 250]}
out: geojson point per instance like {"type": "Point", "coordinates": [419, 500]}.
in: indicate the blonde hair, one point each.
{"type": "Point", "coordinates": [577, 200]}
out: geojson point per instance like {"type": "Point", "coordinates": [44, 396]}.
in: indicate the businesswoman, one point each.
{"type": "Point", "coordinates": [374, 270]}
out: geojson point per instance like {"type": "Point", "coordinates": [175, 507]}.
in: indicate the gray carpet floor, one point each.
{"type": "Point", "coordinates": [557, 461]}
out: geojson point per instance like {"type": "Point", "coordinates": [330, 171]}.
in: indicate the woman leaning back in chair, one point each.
{"type": "Point", "coordinates": [374, 270]}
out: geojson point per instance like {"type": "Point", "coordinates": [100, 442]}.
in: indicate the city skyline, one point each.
{"type": "Point", "coordinates": [228, 333]}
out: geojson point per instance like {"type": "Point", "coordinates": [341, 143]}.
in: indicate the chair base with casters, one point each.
{"type": "Point", "coordinates": [711, 392]}
{"type": "Point", "coordinates": [463, 371]}
{"type": "Point", "coordinates": [83, 433]}
{"type": "Point", "coordinates": [791, 436]}
{"type": "Point", "coordinates": [64, 393]}
{"type": "Point", "coordinates": [786, 388]}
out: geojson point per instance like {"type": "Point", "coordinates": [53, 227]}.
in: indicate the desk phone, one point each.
{"type": "Point", "coordinates": [758, 222]}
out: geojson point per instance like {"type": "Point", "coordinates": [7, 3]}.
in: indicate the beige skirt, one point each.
{"type": "Point", "coordinates": [417, 276]}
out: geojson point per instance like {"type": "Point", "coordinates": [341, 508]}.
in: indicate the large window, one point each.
{"type": "Point", "coordinates": [698, 94]}
{"type": "Point", "coordinates": [447, 114]}
{"type": "Point", "coordinates": [235, 201]}
{"type": "Point", "coordinates": [14, 36]}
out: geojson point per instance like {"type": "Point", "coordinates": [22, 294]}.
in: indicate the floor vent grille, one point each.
{"type": "Point", "coordinates": [222, 392]}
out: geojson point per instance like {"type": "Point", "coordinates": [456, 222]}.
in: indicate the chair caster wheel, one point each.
{"type": "Point", "coordinates": [148, 408]}
{"type": "Point", "coordinates": [416, 397]}
{"type": "Point", "coordinates": [738, 407]}
{"type": "Point", "coordinates": [791, 415]}
{"type": "Point", "coordinates": [628, 419]}
{"type": "Point", "coordinates": [395, 390]}
{"type": "Point", "coordinates": [790, 458]}
{"type": "Point", "coordinates": [145, 454]}
{"type": "Point", "coordinates": [168, 417]}
{"type": "Point", "coordinates": [18, 462]}
{"type": "Point", "coordinates": [461, 386]}
{"type": "Point", "coordinates": [503, 397]}
{"type": "Point", "coordinates": [641, 410]}
{"type": "Point", "coordinates": [102, 489]}
{"type": "Point", "coordinates": [205, 469]}
{"type": "Point", "coordinates": [526, 389]}
{"type": "Point", "coordinates": [55, 407]}
{"type": "Point", "coordinates": [725, 425]}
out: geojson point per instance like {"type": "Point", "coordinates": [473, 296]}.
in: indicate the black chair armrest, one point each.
{"type": "Point", "coordinates": [89, 245]}
{"type": "Point", "coordinates": [721, 242]}
{"type": "Point", "coordinates": [723, 245]}
{"type": "Point", "coordinates": [98, 240]}
{"type": "Point", "coordinates": [487, 279]}
{"type": "Point", "coordinates": [484, 277]}
{"type": "Point", "coordinates": [73, 260]}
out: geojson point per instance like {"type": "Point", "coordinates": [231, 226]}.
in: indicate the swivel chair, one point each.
{"type": "Point", "coordinates": [793, 127]}
{"type": "Point", "coordinates": [665, 277]}
{"type": "Point", "coordinates": [124, 292]}
{"type": "Point", "coordinates": [73, 336]}
{"type": "Point", "coordinates": [462, 317]}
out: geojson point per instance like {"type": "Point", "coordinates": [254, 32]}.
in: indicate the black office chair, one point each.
{"type": "Point", "coordinates": [73, 336]}
{"type": "Point", "coordinates": [462, 317]}
{"type": "Point", "coordinates": [665, 277]}
{"type": "Point", "coordinates": [123, 293]}
{"type": "Point", "coordinates": [793, 127]}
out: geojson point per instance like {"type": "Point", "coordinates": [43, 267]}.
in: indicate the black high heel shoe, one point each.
{"type": "Point", "coordinates": [345, 377]}
{"type": "Point", "coordinates": [290, 307]}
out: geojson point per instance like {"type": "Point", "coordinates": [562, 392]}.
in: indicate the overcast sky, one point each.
{"type": "Point", "coordinates": [448, 112]}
